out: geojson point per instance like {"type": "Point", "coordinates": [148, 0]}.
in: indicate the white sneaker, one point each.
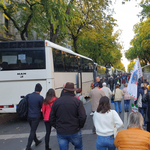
{"type": "Point", "coordinates": [91, 114]}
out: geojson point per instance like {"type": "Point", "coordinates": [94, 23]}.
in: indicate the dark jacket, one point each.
{"type": "Point", "coordinates": [111, 82]}
{"type": "Point", "coordinates": [35, 101]}
{"type": "Point", "coordinates": [68, 114]}
{"type": "Point", "coordinates": [62, 92]}
{"type": "Point", "coordinates": [100, 83]}
{"type": "Point", "coordinates": [147, 100]}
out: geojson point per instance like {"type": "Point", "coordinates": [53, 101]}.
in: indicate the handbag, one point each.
{"type": "Point", "coordinates": [115, 129]}
{"type": "Point", "coordinates": [113, 97]}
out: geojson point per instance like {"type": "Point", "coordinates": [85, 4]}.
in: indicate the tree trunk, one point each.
{"type": "Point", "coordinates": [22, 36]}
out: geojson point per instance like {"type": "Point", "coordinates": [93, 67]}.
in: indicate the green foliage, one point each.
{"type": "Point", "coordinates": [20, 13]}
{"type": "Point", "coordinates": [141, 42]}
{"type": "Point", "coordinates": [82, 23]}
{"type": "Point", "coordinates": [145, 13]}
{"type": "Point", "coordinates": [131, 65]}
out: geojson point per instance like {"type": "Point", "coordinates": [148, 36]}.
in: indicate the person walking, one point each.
{"type": "Point", "coordinates": [127, 98]}
{"type": "Point", "coordinates": [68, 116]}
{"type": "Point", "coordinates": [116, 80]}
{"type": "Point", "coordinates": [106, 90]}
{"type": "Point", "coordinates": [95, 95]}
{"type": "Point", "coordinates": [123, 82]}
{"type": "Point", "coordinates": [46, 109]}
{"type": "Point", "coordinates": [118, 98]}
{"type": "Point", "coordinates": [111, 83]}
{"type": "Point", "coordinates": [35, 101]}
{"type": "Point", "coordinates": [134, 137]}
{"type": "Point", "coordinates": [104, 121]}
{"type": "Point", "coordinates": [99, 81]}
{"type": "Point", "coordinates": [80, 96]}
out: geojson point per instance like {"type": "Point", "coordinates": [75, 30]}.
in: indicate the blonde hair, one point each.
{"type": "Point", "coordinates": [135, 120]}
{"type": "Point", "coordinates": [126, 84]}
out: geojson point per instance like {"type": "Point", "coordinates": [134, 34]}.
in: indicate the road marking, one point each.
{"type": "Point", "coordinates": [125, 120]}
{"type": "Point", "coordinates": [40, 135]}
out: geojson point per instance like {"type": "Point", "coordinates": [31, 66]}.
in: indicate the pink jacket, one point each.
{"type": "Point", "coordinates": [126, 95]}
{"type": "Point", "coordinates": [46, 109]}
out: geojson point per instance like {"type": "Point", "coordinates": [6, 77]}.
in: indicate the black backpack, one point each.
{"type": "Point", "coordinates": [22, 108]}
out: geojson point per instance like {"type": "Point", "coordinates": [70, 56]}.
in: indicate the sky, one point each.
{"type": "Point", "coordinates": [126, 16]}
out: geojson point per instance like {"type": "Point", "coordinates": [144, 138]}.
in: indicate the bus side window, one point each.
{"type": "Point", "coordinates": [4, 65]}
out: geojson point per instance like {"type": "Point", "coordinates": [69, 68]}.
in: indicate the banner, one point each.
{"type": "Point", "coordinates": [133, 82]}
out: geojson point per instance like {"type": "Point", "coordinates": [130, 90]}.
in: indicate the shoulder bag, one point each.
{"type": "Point", "coordinates": [115, 129]}
{"type": "Point", "coordinates": [113, 97]}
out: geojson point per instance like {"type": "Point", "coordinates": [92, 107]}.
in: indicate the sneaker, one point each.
{"type": "Point", "coordinates": [91, 114]}
{"type": "Point", "coordinates": [38, 143]}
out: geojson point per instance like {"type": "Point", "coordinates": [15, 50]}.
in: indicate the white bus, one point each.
{"type": "Point", "coordinates": [23, 64]}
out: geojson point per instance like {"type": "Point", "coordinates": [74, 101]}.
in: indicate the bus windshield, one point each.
{"type": "Point", "coordinates": [22, 59]}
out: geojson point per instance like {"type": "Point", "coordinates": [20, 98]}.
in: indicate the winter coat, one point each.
{"type": "Point", "coordinates": [132, 139]}
{"type": "Point", "coordinates": [118, 94]}
{"type": "Point", "coordinates": [46, 109]}
{"type": "Point", "coordinates": [95, 95]}
{"type": "Point", "coordinates": [68, 115]}
{"type": "Point", "coordinates": [126, 95]}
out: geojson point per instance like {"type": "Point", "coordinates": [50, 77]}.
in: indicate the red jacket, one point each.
{"type": "Point", "coordinates": [46, 109]}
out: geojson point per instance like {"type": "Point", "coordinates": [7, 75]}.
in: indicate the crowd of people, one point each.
{"type": "Point", "coordinates": [67, 115]}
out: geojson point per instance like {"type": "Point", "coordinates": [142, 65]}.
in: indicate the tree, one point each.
{"type": "Point", "coordinates": [141, 42]}
{"type": "Point", "coordinates": [20, 13]}
{"type": "Point", "coordinates": [90, 15]}
{"type": "Point", "coordinates": [131, 65]}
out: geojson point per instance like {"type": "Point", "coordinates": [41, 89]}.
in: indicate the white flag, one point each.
{"type": "Point", "coordinates": [133, 82]}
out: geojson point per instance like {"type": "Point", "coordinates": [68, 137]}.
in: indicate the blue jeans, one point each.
{"type": "Point", "coordinates": [117, 106]}
{"type": "Point", "coordinates": [142, 111]}
{"type": "Point", "coordinates": [104, 142]}
{"type": "Point", "coordinates": [111, 88]}
{"type": "Point", "coordinates": [75, 139]}
{"type": "Point", "coordinates": [126, 104]}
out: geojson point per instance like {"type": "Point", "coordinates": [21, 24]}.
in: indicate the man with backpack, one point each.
{"type": "Point", "coordinates": [35, 101]}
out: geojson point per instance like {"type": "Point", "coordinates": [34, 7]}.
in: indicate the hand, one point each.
{"type": "Point", "coordinates": [145, 92]}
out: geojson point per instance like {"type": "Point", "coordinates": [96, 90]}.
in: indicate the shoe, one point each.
{"type": "Point", "coordinates": [38, 143]}
{"type": "Point", "coordinates": [91, 114]}
{"type": "Point", "coordinates": [28, 148]}
{"type": "Point", "coordinates": [127, 110]}
{"type": "Point", "coordinates": [47, 148]}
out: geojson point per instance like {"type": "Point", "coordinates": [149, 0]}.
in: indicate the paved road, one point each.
{"type": "Point", "coordinates": [14, 133]}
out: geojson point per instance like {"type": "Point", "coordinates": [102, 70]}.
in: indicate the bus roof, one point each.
{"type": "Point", "coordinates": [48, 43]}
